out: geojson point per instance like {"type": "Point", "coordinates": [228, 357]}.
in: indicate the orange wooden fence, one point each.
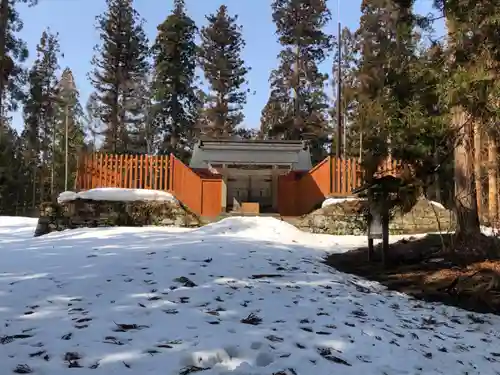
{"type": "Point", "coordinates": [301, 193]}
{"type": "Point", "coordinates": [201, 195]}
{"type": "Point", "coordinates": [298, 193]}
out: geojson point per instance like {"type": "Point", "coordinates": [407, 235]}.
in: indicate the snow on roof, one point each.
{"type": "Point", "coordinates": [117, 194]}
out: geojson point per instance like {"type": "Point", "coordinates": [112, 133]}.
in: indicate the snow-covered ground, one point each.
{"type": "Point", "coordinates": [242, 296]}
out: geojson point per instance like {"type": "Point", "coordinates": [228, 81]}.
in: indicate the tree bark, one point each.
{"type": "Point", "coordinates": [492, 180]}
{"type": "Point", "coordinates": [465, 200]}
{"type": "Point", "coordinates": [465, 188]}
{"type": "Point", "coordinates": [477, 168]}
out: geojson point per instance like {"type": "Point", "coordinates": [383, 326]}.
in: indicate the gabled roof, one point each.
{"type": "Point", "coordinates": [244, 151]}
{"type": "Point", "coordinates": [250, 141]}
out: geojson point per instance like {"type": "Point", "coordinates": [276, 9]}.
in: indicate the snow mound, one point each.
{"type": "Point", "coordinates": [16, 228]}
{"type": "Point", "coordinates": [8, 222]}
{"type": "Point", "coordinates": [330, 201]}
{"type": "Point", "coordinates": [117, 194]}
{"type": "Point", "coordinates": [267, 228]}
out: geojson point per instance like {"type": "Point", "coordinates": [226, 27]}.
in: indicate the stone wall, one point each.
{"type": "Point", "coordinates": [82, 213]}
{"type": "Point", "coordinates": [348, 218]}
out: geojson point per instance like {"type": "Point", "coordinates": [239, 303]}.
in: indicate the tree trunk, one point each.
{"type": "Point", "coordinates": [477, 168]}
{"type": "Point", "coordinates": [465, 189]}
{"type": "Point", "coordinates": [465, 200]}
{"type": "Point", "coordinates": [492, 180]}
{"type": "Point", "coordinates": [33, 204]}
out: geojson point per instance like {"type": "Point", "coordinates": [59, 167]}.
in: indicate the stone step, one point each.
{"type": "Point", "coordinates": [290, 220]}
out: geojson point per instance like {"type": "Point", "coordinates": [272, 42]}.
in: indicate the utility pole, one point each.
{"type": "Point", "coordinates": [53, 162]}
{"type": "Point", "coordinates": [66, 126]}
{"type": "Point", "coordinates": [344, 142]}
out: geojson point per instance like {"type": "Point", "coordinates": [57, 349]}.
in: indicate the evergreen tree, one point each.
{"type": "Point", "coordinates": [220, 58]}
{"type": "Point", "coordinates": [13, 52]}
{"type": "Point", "coordinates": [278, 114]}
{"type": "Point", "coordinates": [247, 133]}
{"type": "Point", "coordinates": [31, 134]}
{"type": "Point", "coordinates": [472, 94]}
{"type": "Point", "coordinates": [300, 28]}
{"type": "Point", "coordinates": [349, 60]}
{"type": "Point", "coordinates": [174, 91]}
{"type": "Point", "coordinates": [92, 124]}
{"type": "Point", "coordinates": [68, 117]}
{"type": "Point", "coordinates": [143, 132]}
{"type": "Point", "coordinates": [121, 68]}
{"type": "Point", "coordinates": [12, 177]}
{"type": "Point", "coordinates": [388, 110]}
{"type": "Point", "coordinates": [39, 114]}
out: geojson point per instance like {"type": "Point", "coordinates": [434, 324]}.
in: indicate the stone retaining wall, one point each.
{"type": "Point", "coordinates": [348, 218]}
{"type": "Point", "coordinates": [82, 213]}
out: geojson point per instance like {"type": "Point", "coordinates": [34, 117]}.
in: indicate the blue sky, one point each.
{"type": "Point", "coordinates": [74, 20]}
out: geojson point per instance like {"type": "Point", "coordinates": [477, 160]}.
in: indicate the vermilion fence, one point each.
{"type": "Point", "coordinates": [201, 195]}
{"type": "Point", "coordinates": [301, 193]}
{"type": "Point", "coordinates": [298, 192]}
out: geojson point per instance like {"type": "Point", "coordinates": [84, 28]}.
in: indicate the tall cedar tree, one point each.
{"type": "Point", "coordinates": [92, 123]}
{"type": "Point", "coordinates": [40, 110]}
{"type": "Point", "coordinates": [68, 114]}
{"type": "Point", "coordinates": [397, 109]}
{"type": "Point", "coordinates": [472, 93]}
{"type": "Point", "coordinates": [225, 71]}
{"type": "Point", "coordinates": [375, 41]}
{"type": "Point", "coordinates": [349, 60]}
{"type": "Point", "coordinates": [140, 128]}
{"type": "Point", "coordinates": [278, 113]}
{"type": "Point", "coordinates": [297, 86]}
{"type": "Point", "coordinates": [120, 72]}
{"type": "Point", "coordinates": [13, 52]}
{"type": "Point", "coordinates": [13, 179]}
{"type": "Point", "coordinates": [174, 91]}
{"type": "Point", "coordinates": [387, 109]}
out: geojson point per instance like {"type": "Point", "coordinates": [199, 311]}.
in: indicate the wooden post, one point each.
{"type": "Point", "coordinates": [385, 234]}
{"type": "Point", "coordinates": [370, 238]}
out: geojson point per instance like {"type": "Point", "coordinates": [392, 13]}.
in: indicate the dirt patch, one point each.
{"type": "Point", "coordinates": [468, 277]}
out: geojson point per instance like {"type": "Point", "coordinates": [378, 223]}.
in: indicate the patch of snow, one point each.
{"type": "Point", "coordinates": [117, 194]}
{"type": "Point", "coordinates": [438, 205]}
{"type": "Point", "coordinates": [268, 228]}
{"type": "Point", "coordinates": [330, 201]}
{"type": "Point", "coordinates": [245, 296]}
{"type": "Point", "coordinates": [16, 228]}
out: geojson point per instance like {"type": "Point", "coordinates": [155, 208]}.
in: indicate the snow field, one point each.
{"type": "Point", "coordinates": [242, 296]}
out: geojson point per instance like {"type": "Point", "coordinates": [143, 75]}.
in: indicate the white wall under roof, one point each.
{"type": "Point", "coordinates": [292, 154]}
